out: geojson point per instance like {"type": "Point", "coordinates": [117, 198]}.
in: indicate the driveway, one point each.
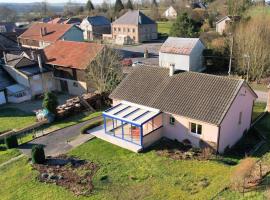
{"type": "Point", "coordinates": [136, 52]}
{"type": "Point", "coordinates": [33, 105]}
{"type": "Point", "coordinates": [58, 142]}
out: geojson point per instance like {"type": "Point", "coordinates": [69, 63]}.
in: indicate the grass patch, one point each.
{"type": "Point", "coordinates": [12, 118]}
{"type": "Point", "coordinates": [123, 175]}
{"type": "Point", "coordinates": [7, 154]}
{"type": "Point", "coordinates": [258, 109]}
{"type": "Point", "coordinates": [164, 27]}
{"type": "Point", "coordinates": [82, 117]}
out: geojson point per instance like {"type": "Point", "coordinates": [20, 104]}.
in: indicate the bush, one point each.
{"type": "Point", "coordinates": [90, 126]}
{"type": "Point", "coordinates": [38, 155]}
{"type": "Point", "coordinates": [50, 102]}
{"type": "Point", "coordinates": [11, 142]}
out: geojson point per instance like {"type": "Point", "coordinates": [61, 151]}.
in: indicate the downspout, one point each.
{"type": "Point", "coordinates": [219, 129]}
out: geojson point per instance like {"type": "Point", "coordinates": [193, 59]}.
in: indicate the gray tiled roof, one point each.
{"type": "Point", "coordinates": [197, 96]}
{"type": "Point", "coordinates": [99, 21]}
{"type": "Point", "coordinates": [134, 17]}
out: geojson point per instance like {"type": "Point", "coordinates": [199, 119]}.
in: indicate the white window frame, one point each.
{"type": "Point", "coordinates": [195, 134]}
{"type": "Point", "coordinates": [170, 120]}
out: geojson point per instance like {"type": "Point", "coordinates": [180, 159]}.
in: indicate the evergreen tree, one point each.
{"type": "Point", "coordinates": [89, 6]}
{"type": "Point", "coordinates": [118, 6]}
{"type": "Point", "coordinates": [129, 5]}
{"type": "Point", "coordinates": [184, 26]}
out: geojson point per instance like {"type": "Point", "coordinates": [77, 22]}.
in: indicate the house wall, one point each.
{"type": "Point", "coordinates": [94, 32]}
{"type": "Point", "coordinates": [128, 30]}
{"type": "Point", "coordinates": [181, 62]}
{"type": "Point", "coordinates": [19, 77]}
{"type": "Point", "coordinates": [147, 32]}
{"type": "Point", "coordinates": [196, 58]}
{"type": "Point", "coordinates": [180, 130]}
{"type": "Point", "coordinates": [73, 34]}
{"type": "Point", "coordinates": [221, 26]}
{"type": "Point", "coordinates": [149, 139]}
{"type": "Point", "coordinates": [231, 131]}
{"type": "Point", "coordinates": [74, 87]}
{"type": "Point", "coordinates": [40, 85]}
{"type": "Point", "coordinates": [170, 13]}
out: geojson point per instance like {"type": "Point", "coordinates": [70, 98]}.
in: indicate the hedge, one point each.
{"type": "Point", "coordinates": [11, 142]}
{"type": "Point", "coordinates": [38, 155]}
{"type": "Point", "coordinates": [90, 126]}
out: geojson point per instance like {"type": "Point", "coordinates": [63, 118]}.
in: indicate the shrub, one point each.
{"type": "Point", "coordinates": [241, 173]}
{"type": "Point", "coordinates": [11, 142]}
{"type": "Point", "coordinates": [38, 155]}
{"type": "Point", "coordinates": [90, 126]}
{"type": "Point", "coordinates": [50, 102]}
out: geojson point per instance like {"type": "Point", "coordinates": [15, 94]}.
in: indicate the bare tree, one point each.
{"type": "Point", "coordinates": [105, 72]}
{"type": "Point", "coordinates": [252, 47]}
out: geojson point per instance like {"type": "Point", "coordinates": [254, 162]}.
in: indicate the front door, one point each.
{"type": "Point", "coordinates": [64, 86]}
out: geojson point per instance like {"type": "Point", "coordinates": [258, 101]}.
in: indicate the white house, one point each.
{"type": "Point", "coordinates": [170, 13]}
{"type": "Point", "coordinates": [183, 53]}
{"type": "Point", "coordinates": [94, 27]}
{"type": "Point", "coordinates": [222, 24]}
{"type": "Point", "coordinates": [153, 102]}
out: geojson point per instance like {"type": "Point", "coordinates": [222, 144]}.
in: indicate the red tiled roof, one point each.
{"type": "Point", "coordinates": [72, 54]}
{"type": "Point", "coordinates": [54, 32]}
{"type": "Point", "coordinates": [182, 46]}
{"type": "Point", "coordinates": [57, 20]}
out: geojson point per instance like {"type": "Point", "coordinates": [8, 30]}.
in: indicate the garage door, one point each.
{"type": "Point", "coordinates": [2, 98]}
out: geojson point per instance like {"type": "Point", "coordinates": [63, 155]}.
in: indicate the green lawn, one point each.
{"type": "Point", "coordinates": [6, 155]}
{"type": "Point", "coordinates": [11, 118]}
{"type": "Point", "coordinates": [123, 175]}
{"type": "Point", "coordinates": [258, 109]}
{"type": "Point", "coordinates": [164, 27]}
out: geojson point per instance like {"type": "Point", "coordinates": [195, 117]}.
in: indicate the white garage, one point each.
{"type": "Point", "coordinates": [2, 98]}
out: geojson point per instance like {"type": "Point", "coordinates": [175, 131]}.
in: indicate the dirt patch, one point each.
{"type": "Point", "coordinates": [180, 151]}
{"type": "Point", "coordinates": [69, 172]}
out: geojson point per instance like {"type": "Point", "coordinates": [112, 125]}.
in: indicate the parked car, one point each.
{"type": "Point", "coordinates": [127, 62]}
{"type": "Point", "coordinates": [136, 63]}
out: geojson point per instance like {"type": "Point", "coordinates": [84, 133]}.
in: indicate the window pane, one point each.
{"type": "Point", "coordinates": [193, 128]}
{"type": "Point", "coordinates": [199, 131]}
{"type": "Point", "coordinates": [172, 120]}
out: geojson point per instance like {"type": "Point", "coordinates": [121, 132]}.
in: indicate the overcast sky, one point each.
{"type": "Point", "coordinates": [50, 1]}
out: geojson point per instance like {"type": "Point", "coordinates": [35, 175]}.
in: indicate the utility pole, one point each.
{"type": "Point", "coordinates": [231, 53]}
{"type": "Point", "coordinates": [246, 56]}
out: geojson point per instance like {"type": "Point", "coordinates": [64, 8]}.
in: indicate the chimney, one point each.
{"type": "Point", "coordinates": [268, 100]}
{"type": "Point", "coordinates": [40, 63]}
{"type": "Point", "coordinates": [5, 57]}
{"type": "Point", "coordinates": [172, 69]}
{"type": "Point", "coordinates": [45, 31]}
{"type": "Point", "coordinates": [140, 19]}
{"type": "Point", "coordinates": [41, 32]}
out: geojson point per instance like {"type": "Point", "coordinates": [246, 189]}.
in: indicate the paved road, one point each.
{"type": "Point", "coordinates": [262, 96]}
{"type": "Point", "coordinates": [136, 52]}
{"type": "Point", "coordinates": [56, 142]}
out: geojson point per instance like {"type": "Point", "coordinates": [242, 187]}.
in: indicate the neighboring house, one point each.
{"type": "Point", "coordinates": [7, 45]}
{"type": "Point", "coordinates": [41, 35]}
{"type": "Point", "coordinates": [153, 102]}
{"type": "Point", "coordinates": [134, 27]}
{"type": "Point", "coordinates": [184, 53]}
{"type": "Point", "coordinates": [7, 27]}
{"type": "Point", "coordinates": [69, 61]}
{"type": "Point", "coordinates": [5, 81]}
{"type": "Point", "coordinates": [32, 77]}
{"type": "Point", "coordinates": [223, 23]}
{"type": "Point", "coordinates": [170, 13]}
{"type": "Point", "coordinates": [94, 27]}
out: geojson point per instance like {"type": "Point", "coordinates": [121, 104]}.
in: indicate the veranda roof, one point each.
{"type": "Point", "coordinates": [131, 113]}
